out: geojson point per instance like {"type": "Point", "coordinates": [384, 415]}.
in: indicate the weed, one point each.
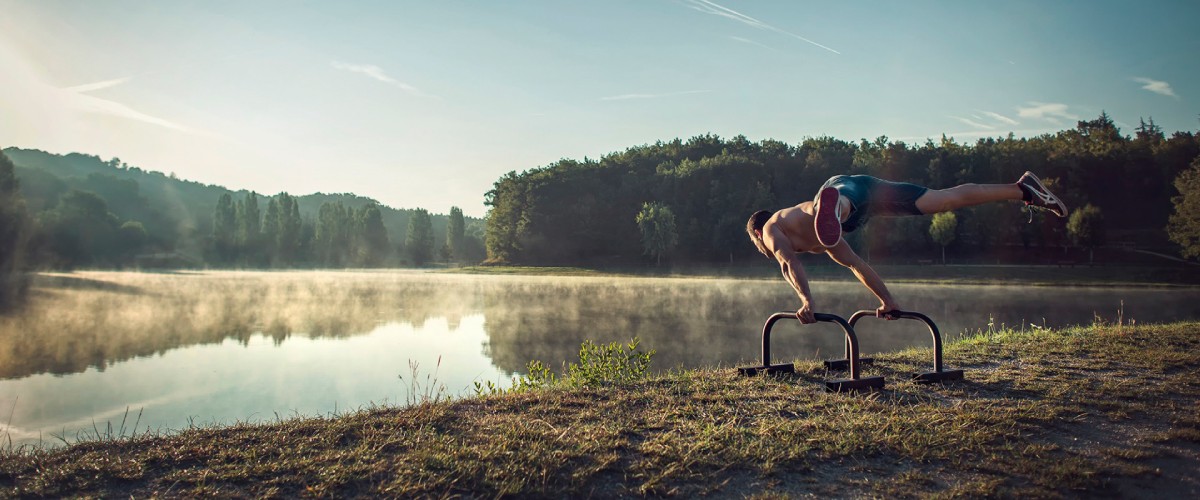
{"type": "Point", "coordinates": [431, 391]}
{"type": "Point", "coordinates": [539, 376]}
{"type": "Point", "coordinates": [599, 365]}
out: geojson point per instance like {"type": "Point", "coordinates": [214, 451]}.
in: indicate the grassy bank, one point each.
{"type": "Point", "coordinates": [1104, 409]}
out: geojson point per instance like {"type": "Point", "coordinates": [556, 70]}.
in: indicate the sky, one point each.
{"type": "Point", "coordinates": [425, 104]}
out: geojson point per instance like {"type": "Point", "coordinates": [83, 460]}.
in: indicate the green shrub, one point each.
{"type": "Point", "coordinates": [614, 363]}
{"type": "Point", "coordinates": [599, 365]}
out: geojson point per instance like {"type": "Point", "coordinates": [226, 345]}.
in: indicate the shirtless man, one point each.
{"type": "Point", "coordinates": [845, 202]}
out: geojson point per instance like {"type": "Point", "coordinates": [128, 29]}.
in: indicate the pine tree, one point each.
{"type": "Point", "coordinates": [270, 232]}
{"type": "Point", "coordinates": [13, 237]}
{"type": "Point", "coordinates": [224, 229]}
{"type": "Point", "coordinates": [375, 238]}
{"type": "Point", "coordinates": [419, 243]}
{"type": "Point", "coordinates": [456, 230]}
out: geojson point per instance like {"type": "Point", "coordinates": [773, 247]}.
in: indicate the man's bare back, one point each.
{"type": "Point", "coordinates": [795, 226]}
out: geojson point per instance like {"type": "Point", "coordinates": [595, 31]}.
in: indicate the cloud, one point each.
{"type": "Point", "coordinates": [1000, 118]}
{"type": "Point", "coordinates": [77, 99]}
{"type": "Point", "coordinates": [1051, 112]}
{"type": "Point", "coordinates": [974, 123]}
{"type": "Point", "coordinates": [708, 7]}
{"type": "Point", "coordinates": [1156, 86]}
{"type": "Point", "coordinates": [377, 73]}
{"type": "Point", "coordinates": [625, 97]}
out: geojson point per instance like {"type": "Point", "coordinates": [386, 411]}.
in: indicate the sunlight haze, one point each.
{"type": "Point", "coordinates": [426, 104]}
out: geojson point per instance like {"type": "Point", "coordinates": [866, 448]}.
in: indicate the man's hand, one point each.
{"type": "Point", "coordinates": [886, 308]}
{"type": "Point", "coordinates": [805, 314]}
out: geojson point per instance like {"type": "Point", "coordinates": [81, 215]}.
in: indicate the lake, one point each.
{"type": "Point", "coordinates": [171, 350]}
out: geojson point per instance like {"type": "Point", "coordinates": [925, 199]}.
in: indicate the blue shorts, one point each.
{"type": "Point", "coordinates": [870, 196]}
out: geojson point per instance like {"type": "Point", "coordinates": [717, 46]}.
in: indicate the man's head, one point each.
{"type": "Point", "coordinates": [754, 227]}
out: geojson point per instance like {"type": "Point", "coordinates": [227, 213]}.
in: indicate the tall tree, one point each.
{"type": "Point", "coordinates": [328, 240]}
{"type": "Point", "coordinates": [456, 233]}
{"type": "Point", "coordinates": [1184, 225]}
{"type": "Point", "coordinates": [657, 225]}
{"type": "Point", "coordinates": [507, 218]}
{"type": "Point", "coordinates": [288, 240]}
{"type": "Point", "coordinates": [270, 231]}
{"type": "Point", "coordinates": [942, 229]}
{"type": "Point", "coordinates": [374, 236]}
{"type": "Point", "coordinates": [249, 229]}
{"type": "Point", "coordinates": [419, 242]}
{"type": "Point", "coordinates": [224, 229]}
{"type": "Point", "coordinates": [13, 237]}
{"type": "Point", "coordinates": [1086, 228]}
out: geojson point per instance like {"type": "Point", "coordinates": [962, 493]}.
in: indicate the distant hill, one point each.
{"type": "Point", "coordinates": [177, 210]}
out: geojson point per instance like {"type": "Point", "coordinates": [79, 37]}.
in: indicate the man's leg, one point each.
{"type": "Point", "coordinates": [966, 195]}
{"type": "Point", "coordinates": [1028, 189]}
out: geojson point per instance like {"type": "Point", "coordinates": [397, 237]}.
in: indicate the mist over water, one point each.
{"type": "Point", "coordinates": [223, 347]}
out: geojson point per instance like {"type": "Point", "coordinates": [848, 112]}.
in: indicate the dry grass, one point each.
{"type": "Point", "coordinates": [1077, 412]}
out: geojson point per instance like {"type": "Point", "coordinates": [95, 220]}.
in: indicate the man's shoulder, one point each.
{"type": "Point", "coordinates": [803, 210]}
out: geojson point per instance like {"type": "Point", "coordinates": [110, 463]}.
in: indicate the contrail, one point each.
{"type": "Point", "coordinates": [77, 98]}
{"type": "Point", "coordinates": [708, 7]}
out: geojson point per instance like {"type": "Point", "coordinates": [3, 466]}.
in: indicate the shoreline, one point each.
{"type": "Point", "coordinates": [1103, 409]}
{"type": "Point", "coordinates": [984, 275]}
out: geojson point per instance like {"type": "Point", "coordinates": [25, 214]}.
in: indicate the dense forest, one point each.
{"type": "Point", "coordinates": [700, 192]}
{"type": "Point", "coordinates": [70, 211]}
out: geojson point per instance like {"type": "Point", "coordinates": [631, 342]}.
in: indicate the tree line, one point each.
{"type": "Point", "coordinates": [73, 211]}
{"type": "Point", "coordinates": [704, 189]}
{"type": "Point", "coordinates": [339, 236]}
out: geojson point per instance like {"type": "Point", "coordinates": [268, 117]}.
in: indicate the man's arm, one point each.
{"type": "Point", "coordinates": [844, 255]}
{"type": "Point", "coordinates": [793, 273]}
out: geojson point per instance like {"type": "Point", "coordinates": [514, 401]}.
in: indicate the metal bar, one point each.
{"type": "Point", "coordinates": [851, 340]}
{"type": "Point", "coordinates": [766, 335]}
{"type": "Point", "coordinates": [854, 383]}
{"type": "Point", "coordinates": [933, 330]}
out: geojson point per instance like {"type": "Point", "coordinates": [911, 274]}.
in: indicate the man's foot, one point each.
{"type": "Point", "coordinates": [1036, 195]}
{"type": "Point", "coordinates": [828, 222]}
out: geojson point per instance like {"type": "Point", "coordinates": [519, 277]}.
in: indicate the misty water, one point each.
{"type": "Point", "coordinates": [171, 350]}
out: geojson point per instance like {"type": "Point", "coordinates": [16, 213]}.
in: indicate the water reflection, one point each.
{"type": "Point", "coordinates": [258, 379]}
{"type": "Point", "coordinates": [93, 320]}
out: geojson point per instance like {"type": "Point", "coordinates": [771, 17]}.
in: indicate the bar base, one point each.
{"type": "Point", "coordinates": [750, 371]}
{"type": "Point", "coordinates": [937, 377]}
{"type": "Point", "coordinates": [844, 364]}
{"type": "Point", "coordinates": [854, 385]}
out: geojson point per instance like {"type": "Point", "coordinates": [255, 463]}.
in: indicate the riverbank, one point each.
{"type": "Point", "coordinates": [1101, 409]}
{"type": "Point", "coordinates": [1072, 274]}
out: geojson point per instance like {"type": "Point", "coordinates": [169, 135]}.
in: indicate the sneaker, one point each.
{"type": "Point", "coordinates": [828, 221]}
{"type": "Point", "coordinates": [1039, 196]}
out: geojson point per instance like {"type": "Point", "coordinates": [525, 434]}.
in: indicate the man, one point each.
{"type": "Point", "coordinates": [845, 202]}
